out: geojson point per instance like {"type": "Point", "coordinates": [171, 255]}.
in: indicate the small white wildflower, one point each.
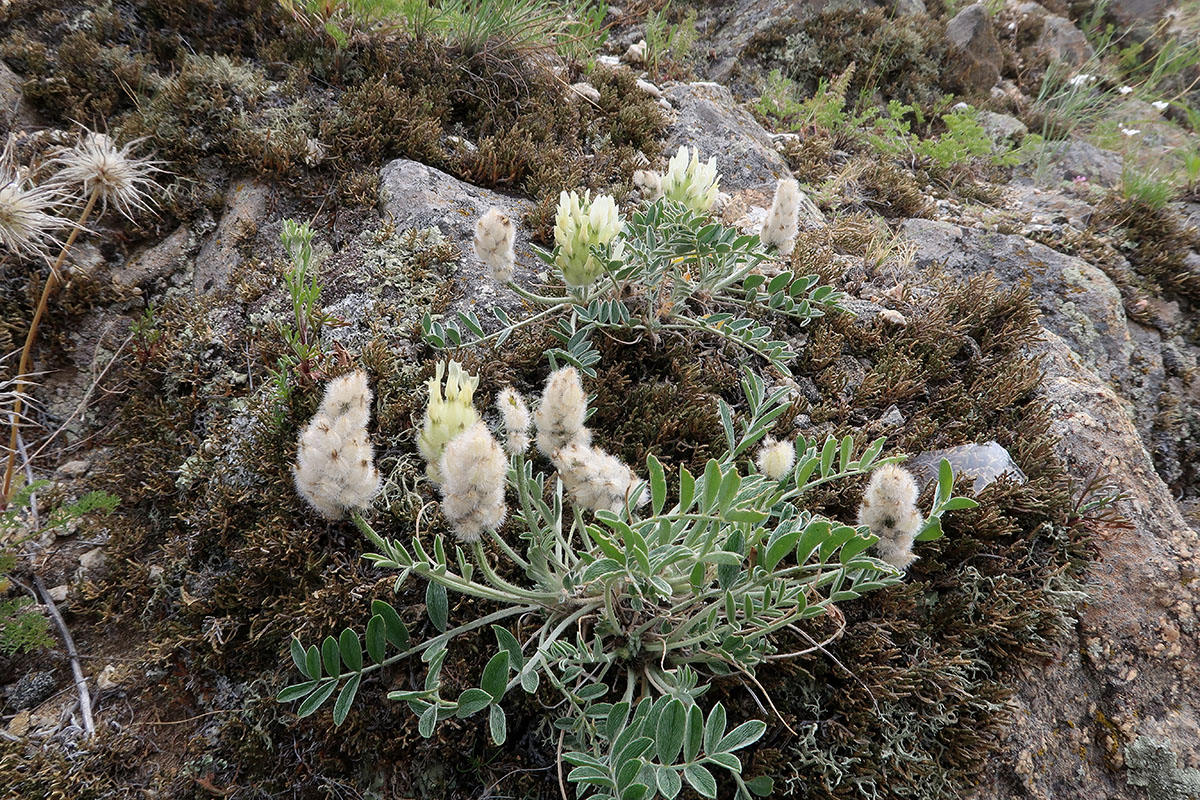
{"type": "Point", "coordinates": [1131, 131]}
{"type": "Point", "coordinates": [473, 468]}
{"type": "Point", "coordinates": [595, 480]}
{"type": "Point", "coordinates": [775, 459]}
{"type": "Point", "coordinates": [561, 413]}
{"type": "Point", "coordinates": [1160, 105]}
{"type": "Point", "coordinates": [580, 224]}
{"type": "Point", "coordinates": [691, 182]}
{"type": "Point", "coordinates": [1125, 90]}
{"type": "Point", "coordinates": [1082, 79]}
{"type": "Point", "coordinates": [494, 237]}
{"type": "Point", "coordinates": [889, 510]}
{"type": "Point", "coordinates": [335, 469]}
{"type": "Point", "coordinates": [96, 165]}
{"type": "Point", "coordinates": [447, 415]}
{"type": "Point", "coordinates": [516, 418]}
{"type": "Point", "coordinates": [783, 220]}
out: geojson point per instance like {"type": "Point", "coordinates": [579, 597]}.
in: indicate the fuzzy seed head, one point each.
{"type": "Point", "coordinates": [690, 182]}
{"type": "Point", "coordinates": [889, 510]}
{"type": "Point", "coordinates": [28, 225]}
{"type": "Point", "coordinates": [446, 415]}
{"type": "Point", "coordinates": [335, 462]}
{"type": "Point", "coordinates": [649, 183]}
{"type": "Point", "coordinates": [580, 224]}
{"type": "Point", "coordinates": [783, 220]}
{"type": "Point", "coordinates": [473, 469]}
{"type": "Point", "coordinates": [596, 480]}
{"type": "Point", "coordinates": [775, 458]}
{"type": "Point", "coordinates": [494, 237]}
{"type": "Point", "coordinates": [516, 418]}
{"type": "Point", "coordinates": [561, 413]}
{"type": "Point", "coordinates": [96, 164]}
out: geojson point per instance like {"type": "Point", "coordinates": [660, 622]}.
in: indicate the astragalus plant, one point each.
{"type": "Point", "coordinates": [618, 619]}
{"type": "Point", "coordinates": [669, 269]}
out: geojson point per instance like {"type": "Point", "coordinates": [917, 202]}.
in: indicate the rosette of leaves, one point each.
{"type": "Point", "coordinates": [670, 270]}
{"type": "Point", "coordinates": [651, 605]}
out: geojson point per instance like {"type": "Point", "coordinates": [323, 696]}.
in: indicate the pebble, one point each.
{"type": "Point", "coordinates": [75, 469]}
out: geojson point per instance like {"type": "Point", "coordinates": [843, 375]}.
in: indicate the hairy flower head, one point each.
{"type": "Point", "coordinates": [561, 413]}
{"type": "Point", "coordinates": [649, 183]}
{"type": "Point", "coordinates": [889, 510]}
{"type": "Point", "coordinates": [775, 459]}
{"type": "Point", "coordinates": [494, 237]}
{"type": "Point", "coordinates": [96, 164]}
{"type": "Point", "coordinates": [691, 182]}
{"type": "Point", "coordinates": [446, 415]}
{"type": "Point", "coordinates": [516, 418]}
{"type": "Point", "coordinates": [335, 469]}
{"type": "Point", "coordinates": [473, 468]}
{"type": "Point", "coordinates": [27, 224]}
{"type": "Point", "coordinates": [595, 480]}
{"type": "Point", "coordinates": [783, 220]}
{"type": "Point", "coordinates": [579, 225]}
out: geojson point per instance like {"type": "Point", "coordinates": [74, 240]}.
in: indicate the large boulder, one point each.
{"type": "Point", "coordinates": [711, 120]}
{"type": "Point", "coordinates": [974, 51]}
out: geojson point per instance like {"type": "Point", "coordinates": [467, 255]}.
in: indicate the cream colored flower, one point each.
{"type": "Point", "coordinates": [446, 415]}
{"type": "Point", "coordinates": [595, 480]}
{"type": "Point", "coordinates": [516, 418]}
{"type": "Point", "coordinates": [775, 459]}
{"type": "Point", "coordinates": [494, 237]}
{"type": "Point", "coordinates": [335, 469]}
{"type": "Point", "coordinates": [579, 225]}
{"type": "Point", "coordinates": [561, 413]}
{"type": "Point", "coordinates": [473, 468]}
{"type": "Point", "coordinates": [783, 220]}
{"type": "Point", "coordinates": [691, 182]}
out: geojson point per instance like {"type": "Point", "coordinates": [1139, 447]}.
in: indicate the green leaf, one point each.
{"type": "Point", "coordinates": [394, 627]}
{"type": "Point", "coordinates": [530, 681]}
{"type": "Point", "coordinates": [930, 531]}
{"type": "Point", "coordinates": [695, 733]}
{"type": "Point", "coordinates": [687, 489]}
{"type": "Point", "coordinates": [672, 725]}
{"type": "Point", "coordinates": [743, 735]}
{"type": "Point", "coordinates": [712, 483]}
{"type": "Point", "coordinates": [745, 515]}
{"type": "Point", "coordinates": [438, 605]}
{"type": "Point", "coordinates": [844, 453]}
{"type": "Point", "coordinates": [762, 786]}
{"type": "Point", "coordinates": [313, 659]}
{"type": "Point", "coordinates": [779, 548]}
{"type": "Point", "coordinates": [351, 649]}
{"type": "Point", "coordinates": [510, 645]}
{"type": "Point", "coordinates": [945, 484]}
{"type": "Point", "coordinates": [957, 503]}
{"type": "Point", "coordinates": [669, 782]}
{"type": "Point", "coordinates": [428, 721]}
{"type": "Point", "coordinates": [498, 725]}
{"type": "Point", "coordinates": [298, 657]}
{"type": "Point", "coordinates": [729, 489]}
{"type": "Point", "coordinates": [615, 723]}
{"type": "Point", "coordinates": [658, 484]}
{"type": "Point", "coordinates": [714, 728]}
{"type": "Point", "coordinates": [722, 557]}
{"type": "Point", "coordinates": [329, 655]}
{"type": "Point", "coordinates": [727, 760]}
{"type": "Point", "coordinates": [376, 639]}
{"type": "Point", "coordinates": [346, 699]}
{"type": "Point", "coordinates": [471, 701]}
{"type": "Point", "coordinates": [495, 675]}
{"type": "Point", "coordinates": [296, 691]}
{"type": "Point", "coordinates": [635, 791]}
{"type": "Point", "coordinates": [318, 697]}
{"type": "Point", "coordinates": [701, 780]}
{"type": "Point", "coordinates": [827, 454]}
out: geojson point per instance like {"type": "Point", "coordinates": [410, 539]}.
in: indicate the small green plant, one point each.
{"type": "Point", "coordinates": [1149, 187]}
{"type": "Point", "coordinates": [303, 336]}
{"type": "Point", "coordinates": [23, 629]}
{"type": "Point", "coordinates": [626, 605]}
{"type": "Point", "coordinates": [147, 335]}
{"type": "Point", "coordinates": [668, 42]}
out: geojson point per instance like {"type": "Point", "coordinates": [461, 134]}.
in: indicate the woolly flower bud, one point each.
{"type": "Point", "coordinates": [596, 480]}
{"type": "Point", "coordinates": [775, 458]}
{"type": "Point", "coordinates": [446, 416]}
{"type": "Point", "coordinates": [335, 468]}
{"type": "Point", "coordinates": [689, 182]}
{"type": "Point", "coordinates": [516, 418]}
{"type": "Point", "coordinates": [578, 226]}
{"type": "Point", "coordinates": [561, 412]}
{"type": "Point", "coordinates": [783, 220]}
{"type": "Point", "coordinates": [889, 510]}
{"type": "Point", "coordinates": [494, 235]}
{"type": "Point", "coordinates": [95, 164]}
{"type": "Point", "coordinates": [473, 469]}
{"type": "Point", "coordinates": [649, 183]}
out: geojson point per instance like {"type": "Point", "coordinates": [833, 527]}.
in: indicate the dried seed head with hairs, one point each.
{"type": "Point", "coordinates": [783, 220]}
{"type": "Point", "coordinates": [335, 469]}
{"type": "Point", "coordinates": [115, 175]}
{"type": "Point", "coordinates": [473, 469]}
{"type": "Point", "coordinates": [889, 510]}
{"type": "Point", "coordinates": [516, 418]}
{"type": "Point", "coordinates": [28, 225]}
{"type": "Point", "coordinates": [775, 459]}
{"type": "Point", "coordinates": [596, 480]}
{"type": "Point", "coordinates": [561, 412]}
{"type": "Point", "coordinates": [494, 237]}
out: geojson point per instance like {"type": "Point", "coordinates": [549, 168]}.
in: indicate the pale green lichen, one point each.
{"type": "Point", "coordinates": [1152, 764]}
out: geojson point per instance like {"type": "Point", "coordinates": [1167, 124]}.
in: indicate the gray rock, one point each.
{"type": "Point", "coordinates": [75, 469]}
{"type": "Point", "coordinates": [974, 49]}
{"type": "Point", "coordinates": [32, 689]}
{"type": "Point", "coordinates": [1062, 41]}
{"type": "Point", "coordinates": [1077, 158]}
{"type": "Point", "coordinates": [985, 463]}
{"type": "Point", "coordinates": [908, 8]}
{"type": "Point", "coordinates": [160, 261]}
{"type": "Point", "coordinates": [1050, 207]}
{"type": "Point", "coordinates": [1138, 13]}
{"type": "Point", "coordinates": [736, 24]}
{"type": "Point", "coordinates": [11, 98]}
{"type": "Point", "coordinates": [246, 210]}
{"type": "Point", "coordinates": [1002, 127]}
{"type": "Point", "coordinates": [712, 121]}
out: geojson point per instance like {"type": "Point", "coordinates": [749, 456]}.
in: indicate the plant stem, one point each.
{"type": "Point", "coordinates": [31, 337]}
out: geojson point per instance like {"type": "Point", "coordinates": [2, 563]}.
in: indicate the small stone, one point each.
{"type": "Point", "coordinates": [892, 417]}
{"type": "Point", "coordinates": [649, 88]}
{"type": "Point", "coordinates": [636, 54]}
{"type": "Point", "coordinates": [584, 90]}
{"type": "Point", "coordinates": [976, 53]}
{"type": "Point", "coordinates": [58, 593]}
{"type": "Point", "coordinates": [92, 560]}
{"type": "Point", "coordinates": [108, 678]}
{"type": "Point", "coordinates": [32, 689]}
{"type": "Point", "coordinates": [75, 469]}
{"type": "Point", "coordinates": [893, 317]}
{"type": "Point", "coordinates": [19, 724]}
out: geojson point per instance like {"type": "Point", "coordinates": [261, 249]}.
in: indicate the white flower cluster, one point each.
{"type": "Point", "coordinates": [447, 415]}
{"type": "Point", "coordinates": [516, 418]}
{"type": "Point", "coordinates": [889, 510]}
{"type": "Point", "coordinates": [335, 463]}
{"type": "Point", "coordinates": [691, 182]}
{"type": "Point", "coordinates": [775, 459]}
{"type": "Point", "coordinates": [473, 468]}
{"type": "Point", "coordinates": [494, 237]}
{"type": "Point", "coordinates": [783, 220]}
{"type": "Point", "coordinates": [580, 224]}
